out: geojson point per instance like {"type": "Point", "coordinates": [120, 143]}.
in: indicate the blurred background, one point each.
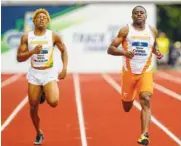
{"type": "Point", "coordinates": [87, 29]}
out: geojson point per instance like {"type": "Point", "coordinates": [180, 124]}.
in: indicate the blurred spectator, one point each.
{"type": "Point", "coordinates": [175, 54]}
{"type": "Point", "coordinates": [177, 46]}
{"type": "Point", "coordinates": [163, 45]}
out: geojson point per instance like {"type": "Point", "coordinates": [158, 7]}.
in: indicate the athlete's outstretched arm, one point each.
{"type": "Point", "coordinates": [113, 50]}
{"type": "Point", "coordinates": [23, 53]}
{"type": "Point", "coordinates": [64, 56]}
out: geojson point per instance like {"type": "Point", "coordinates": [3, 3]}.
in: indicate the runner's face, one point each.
{"type": "Point", "coordinates": [139, 15]}
{"type": "Point", "coordinates": [41, 20]}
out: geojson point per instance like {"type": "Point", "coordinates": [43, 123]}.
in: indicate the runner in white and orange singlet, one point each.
{"type": "Point", "coordinates": [138, 43]}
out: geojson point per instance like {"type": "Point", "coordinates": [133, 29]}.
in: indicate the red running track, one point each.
{"type": "Point", "coordinates": [105, 123]}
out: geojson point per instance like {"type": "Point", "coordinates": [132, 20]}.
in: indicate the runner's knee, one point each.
{"type": "Point", "coordinates": [53, 103]}
{"type": "Point", "coordinates": [145, 99]}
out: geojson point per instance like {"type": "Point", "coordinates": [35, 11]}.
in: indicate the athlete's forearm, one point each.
{"type": "Point", "coordinates": [158, 54]}
{"type": "Point", "coordinates": [115, 51]}
{"type": "Point", "coordinates": [154, 50]}
{"type": "Point", "coordinates": [24, 56]}
{"type": "Point", "coordinates": [64, 57]}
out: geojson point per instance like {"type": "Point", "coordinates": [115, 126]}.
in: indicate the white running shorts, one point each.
{"type": "Point", "coordinates": [41, 77]}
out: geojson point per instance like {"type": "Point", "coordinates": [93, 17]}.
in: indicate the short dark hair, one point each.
{"type": "Point", "coordinates": [140, 7]}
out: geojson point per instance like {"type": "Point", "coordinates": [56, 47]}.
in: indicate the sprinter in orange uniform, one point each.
{"type": "Point", "coordinates": [138, 43]}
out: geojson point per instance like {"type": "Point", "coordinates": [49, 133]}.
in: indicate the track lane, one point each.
{"type": "Point", "coordinates": [5, 76]}
{"type": "Point", "coordinates": [175, 73]}
{"type": "Point", "coordinates": [12, 95]}
{"type": "Point", "coordinates": [162, 107]}
{"type": "Point", "coordinates": [169, 83]}
{"type": "Point", "coordinates": [60, 124]}
{"type": "Point", "coordinates": [106, 122]}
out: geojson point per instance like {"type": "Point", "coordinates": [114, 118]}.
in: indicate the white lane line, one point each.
{"type": "Point", "coordinates": [168, 77]}
{"type": "Point", "coordinates": [79, 109]}
{"type": "Point", "coordinates": [109, 80]}
{"type": "Point", "coordinates": [14, 113]}
{"type": "Point", "coordinates": [167, 91]}
{"type": "Point", "coordinates": [10, 80]}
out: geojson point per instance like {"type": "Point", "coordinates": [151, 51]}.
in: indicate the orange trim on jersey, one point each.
{"type": "Point", "coordinates": [148, 63]}
{"type": "Point", "coordinates": [125, 46]}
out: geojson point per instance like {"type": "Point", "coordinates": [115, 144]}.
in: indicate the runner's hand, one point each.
{"type": "Point", "coordinates": [37, 49]}
{"type": "Point", "coordinates": [158, 54]}
{"type": "Point", "coordinates": [129, 54]}
{"type": "Point", "coordinates": [62, 74]}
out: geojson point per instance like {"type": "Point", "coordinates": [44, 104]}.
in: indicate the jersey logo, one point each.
{"type": "Point", "coordinates": [44, 52]}
{"type": "Point", "coordinates": [140, 44]}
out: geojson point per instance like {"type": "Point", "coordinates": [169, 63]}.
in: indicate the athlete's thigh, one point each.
{"type": "Point", "coordinates": [34, 93]}
{"type": "Point", "coordinates": [145, 83]}
{"type": "Point", "coordinates": [51, 91]}
{"type": "Point", "coordinates": [128, 85]}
